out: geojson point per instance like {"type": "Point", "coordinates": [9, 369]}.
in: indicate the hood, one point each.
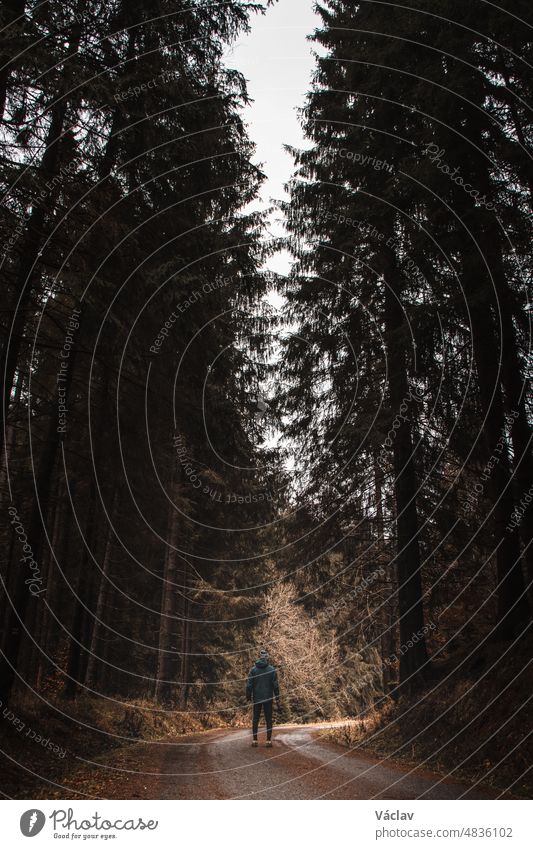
{"type": "Point", "coordinates": [261, 663]}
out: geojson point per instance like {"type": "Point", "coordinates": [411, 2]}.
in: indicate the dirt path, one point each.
{"type": "Point", "coordinates": [222, 765]}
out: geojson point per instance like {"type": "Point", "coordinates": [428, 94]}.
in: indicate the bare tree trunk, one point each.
{"type": "Point", "coordinates": [516, 391]}
{"type": "Point", "coordinates": [491, 296]}
{"type": "Point", "coordinates": [186, 637]}
{"type": "Point", "coordinates": [378, 489]}
{"type": "Point", "coordinates": [93, 665]}
{"type": "Point", "coordinates": [411, 611]}
{"type": "Point", "coordinates": [59, 551]}
{"type": "Point", "coordinates": [18, 605]}
{"type": "Point", "coordinates": [169, 622]}
{"type": "Point", "coordinates": [513, 607]}
{"type": "Point", "coordinates": [11, 432]}
{"type": "Point", "coordinates": [83, 601]}
{"type": "Point", "coordinates": [39, 612]}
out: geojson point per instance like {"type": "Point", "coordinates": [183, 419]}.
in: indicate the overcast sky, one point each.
{"type": "Point", "coordinates": [278, 63]}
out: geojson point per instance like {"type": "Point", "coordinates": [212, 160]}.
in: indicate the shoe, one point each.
{"type": "Point", "coordinates": [269, 744]}
{"type": "Point", "coordinates": [255, 743]}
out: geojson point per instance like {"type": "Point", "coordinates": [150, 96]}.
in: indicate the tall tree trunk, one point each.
{"type": "Point", "coordinates": [93, 661]}
{"type": "Point", "coordinates": [74, 671]}
{"type": "Point", "coordinates": [18, 605]}
{"type": "Point", "coordinates": [497, 364]}
{"type": "Point", "coordinates": [513, 607]}
{"type": "Point", "coordinates": [186, 637]}
{"type": "Point", "coordinates": [83, 621]}
{"type": "Point", "coordinates": [514, 383]}
{"type": "Point", "coordinates": [59, 552]}
{"type": "Point", "coordinates": [119, 120]}
{"type": "Point", "coordinates": [169, 622]}
{"type": "Point", "coordinates": [11, 432]}
{"type": "Point", "coordinates": [413, 656]}
{"type": "Point", "coordinates": [38, 609]}
{"type": "Point", "coordinates": [378, 490]}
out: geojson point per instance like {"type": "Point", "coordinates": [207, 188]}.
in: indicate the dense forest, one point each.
{"type": "Point", "coordinates": [190, 473]}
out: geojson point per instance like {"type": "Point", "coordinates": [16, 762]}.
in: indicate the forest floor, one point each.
{"type": "Point", "coordinates": [221, 764]}
{"type": "Point", "coordinates": [467, 733]}
{"type": "Point", "coordinates": [472, 717]}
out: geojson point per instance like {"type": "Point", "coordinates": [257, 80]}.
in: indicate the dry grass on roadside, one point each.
{"type": "Point", "coordinates": [472, 720]}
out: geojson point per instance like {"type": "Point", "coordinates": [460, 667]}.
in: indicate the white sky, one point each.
{"type": "Point", "coordinates": [278, 63]}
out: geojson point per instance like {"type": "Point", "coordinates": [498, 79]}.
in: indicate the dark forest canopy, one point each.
{"type": "Point", "coordinates": [132, 283]}
{"type": "Point", "coordinates": [410, 216]}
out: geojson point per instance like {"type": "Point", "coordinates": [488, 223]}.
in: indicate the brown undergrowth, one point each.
{"type": "Point", "coordinates": [471, 719]}
{"type": "Point", "coordinates": [43, 743]}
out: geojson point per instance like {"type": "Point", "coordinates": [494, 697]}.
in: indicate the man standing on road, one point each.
{"type": "Point", "coordinates": [262, 687]}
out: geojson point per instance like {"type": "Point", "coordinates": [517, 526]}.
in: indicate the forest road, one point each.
{"type": "Point", "coordinates": [221, 764]}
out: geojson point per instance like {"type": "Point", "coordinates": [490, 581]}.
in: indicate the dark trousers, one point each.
{"type": "Point", "coordinates": [267, 707]}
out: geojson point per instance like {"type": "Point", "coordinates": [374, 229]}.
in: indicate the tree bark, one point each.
{"type": "Point", "coordinates": [93, 665]}
{"type": "Point", "coordinates": [169, 622]}
{"type": "Point", "coordinates": [497, 364]}
{"type": "Point", "coordinates": [18, 606]}
{"type": "Point", "coordinates": [513, 607]}
{"type": "Point", "coordinates": [74, 671]}
{"type": "Point", "coordinates": [413, 656]}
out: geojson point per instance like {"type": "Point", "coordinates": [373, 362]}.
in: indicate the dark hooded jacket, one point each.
{"type": "Point", "coordinates": [262, 684]}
